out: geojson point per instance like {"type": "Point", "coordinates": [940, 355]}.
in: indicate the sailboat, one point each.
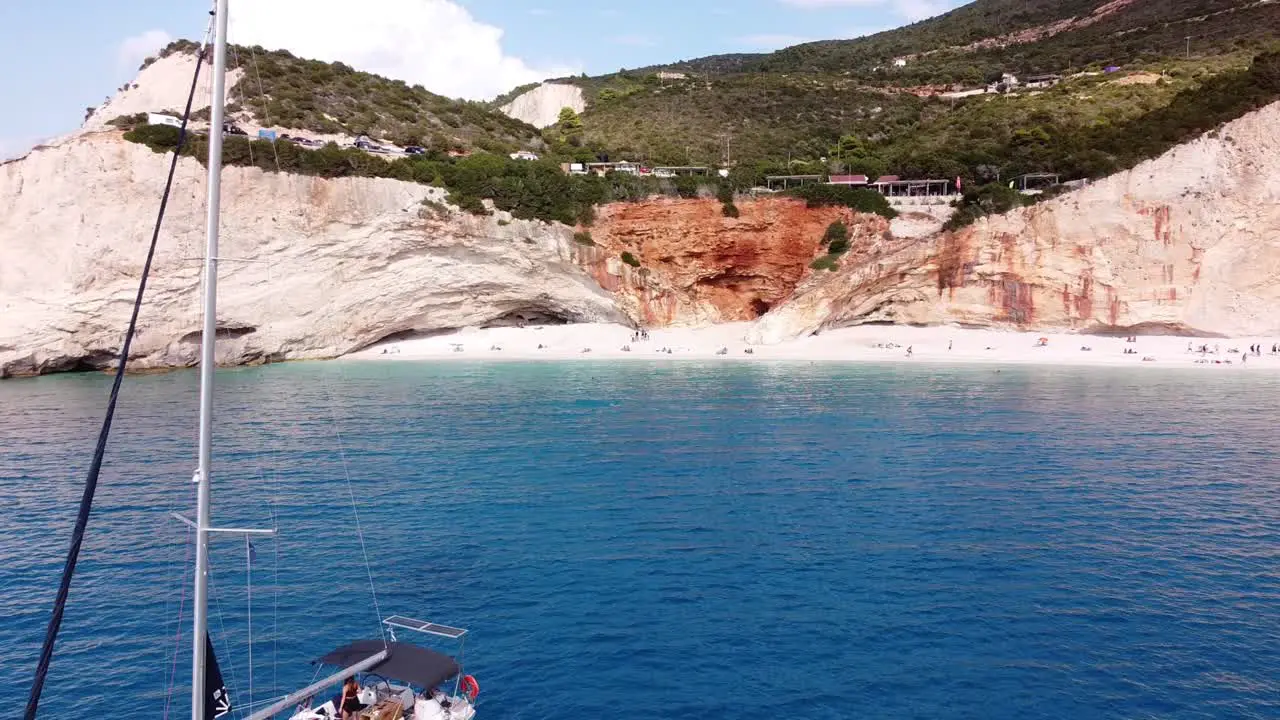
{"type": "Point", "coordinates": [380, 679]}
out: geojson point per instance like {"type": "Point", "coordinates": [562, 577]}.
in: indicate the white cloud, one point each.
{"type": "Point", "coordinates": [435, 43]}
{"type": "Point", "coordinates": [135, 49]}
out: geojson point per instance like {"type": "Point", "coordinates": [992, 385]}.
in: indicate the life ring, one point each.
{"type": "Point", "coordinates": [470, 687]}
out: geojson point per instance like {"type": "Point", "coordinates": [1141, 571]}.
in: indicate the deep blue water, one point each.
{"type": "Point", "coordinates": [678, 540]}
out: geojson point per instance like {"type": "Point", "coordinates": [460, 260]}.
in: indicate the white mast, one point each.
{"type": "Point", "coordinates": [201, 601]}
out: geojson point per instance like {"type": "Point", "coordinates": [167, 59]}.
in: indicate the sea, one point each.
{"type": "Point", "coordinates": [677, 540]}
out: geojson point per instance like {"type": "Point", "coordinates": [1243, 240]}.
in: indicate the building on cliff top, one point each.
{"type": "Point", "coordinates": [784, 182]}
{"type": "Point", "coordinates": [893, 186]}
{"type": "Point", "coordinates": [603, 168]}
{"type": "Point", "coordinates": [678, 170]}
{"type": "Point", "coordinates": [856, 180]}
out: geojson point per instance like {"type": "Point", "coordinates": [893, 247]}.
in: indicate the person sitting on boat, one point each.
{"type": "Point", "coordinates": [350, 703]}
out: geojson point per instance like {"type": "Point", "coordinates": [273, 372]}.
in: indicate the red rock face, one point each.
{"type": "Point", "coordinates": [696, 265]}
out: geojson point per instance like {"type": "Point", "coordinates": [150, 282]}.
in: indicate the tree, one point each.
{"type": "Point", "coordinates": [687, 186]}
{"type": "Point", "coordinates": [570, 127]}
{"type": "Point", "coordinates": [836, 232]}
{"type": "Point", "coordinates": [569, 120]}
{"type": "Point", "coordinates": [1266, 71]}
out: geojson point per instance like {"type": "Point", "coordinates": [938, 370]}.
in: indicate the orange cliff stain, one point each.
{"type": "Point", "coordinates": [698, 265]}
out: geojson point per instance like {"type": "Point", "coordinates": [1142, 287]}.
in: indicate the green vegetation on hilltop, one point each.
{"type": "Point", "coordinates": [527, 189]}
{"type": "Point", "coordinates": [844, 105]}
{"type": "Point", "coordinates": [1102, 147]}
{"type": "Point", "coordinates": [765, 117]}
{"type": "Point", "coordinates": [1087, 126]}
{"type": "Point", "coordinates": [1054, 36]}
{"type": "Point", "coordinates": [862, 200]}
{"type": "Point", "coordinates": [820, 108]}
{"type": "Point", "coordinates": [334, 98]}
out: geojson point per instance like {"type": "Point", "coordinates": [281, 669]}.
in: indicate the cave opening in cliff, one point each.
{"type": "Point", "coordinates": [528, 316]}
{"type": "Point", "coordinates": [96, 360]}
{"type": "Point", "coordinates": [223, 332]}
{"type": "Point", "coordinates": [760, 307]}
{"type": "Point", "coordinates": [402, 335]}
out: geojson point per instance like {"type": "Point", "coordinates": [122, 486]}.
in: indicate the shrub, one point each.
{"type": "Point", "coordinates": [469, 203]}
{"type": "Point", "coordinates": [686, 186]}
{"type": "Point", "coordinates": [433, 207]}
{"type": "Point", "coordinates": [160, 138]}
{"type": "Point", "coordinates": [729, 210]}
{"type": "Point", "coordinates": [630, 259]}
{"type": "Point", "coordinates": [128, 122]}
{"type": "Point", "coordinates": [838, 247]}
{"type": "Point", "coordinates": [584, 238]}
{"type": "Point", "coordinates": [990, 199]}
{"type": "Point", "coordinates": [826, 262]}
{"type": "Point", "coordinates": [836, 231]}
{"type": "Point", "coordinates": [724, 192]}
{"type": "Point", "coordinates": [859, 199]}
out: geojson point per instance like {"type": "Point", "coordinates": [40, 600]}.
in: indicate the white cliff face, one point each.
{"type": "Point", "coordinates": [311, 268]}
{"type": "Point", "coordinates": [1188, 242]}
{"type": "Point", "coordinates": [541, 106]}
{"type": "Point", "coordinates": [161, 86]}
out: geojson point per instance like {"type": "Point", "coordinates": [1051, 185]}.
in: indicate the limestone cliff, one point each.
{"type": "Point", "coordinates": [1188, 242]}
{"type": "Point", "coordinates": [311, 268]}
{"type": "Point", "coordinates": [697, 266]}
{"type": "Point", "coordinates": [541, 106]}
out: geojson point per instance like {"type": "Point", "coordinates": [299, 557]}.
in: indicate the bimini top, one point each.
{"type": "Point", "coordinates": [405, 662]}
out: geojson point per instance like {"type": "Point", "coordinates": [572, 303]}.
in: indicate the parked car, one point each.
{"type": "Point", "coordinates": [232, 129]}
{"type": "Point", "coordinates": [414, 150]}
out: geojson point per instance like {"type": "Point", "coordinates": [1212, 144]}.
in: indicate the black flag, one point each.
{"type": "Point", "coordinates": [218, 703]}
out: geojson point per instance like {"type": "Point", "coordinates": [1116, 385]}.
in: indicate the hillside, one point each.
{"type": "Point", "coordinates": [882, 100]}
{"type": "Point", "coordinates": [1036, 36]}
{"type": "Point", "coordinates": [278, 90]}
{"type": "Point", "coordinates": [1186, 243]}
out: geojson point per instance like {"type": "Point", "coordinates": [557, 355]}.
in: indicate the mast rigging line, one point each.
{"type": "Point", "coordinates": [100, 449]}
{"type": "Point", "coordinates": [337, 429]}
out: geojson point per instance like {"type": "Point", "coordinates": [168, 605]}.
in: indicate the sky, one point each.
{"type": "Point", "coordinates": [62, 56]}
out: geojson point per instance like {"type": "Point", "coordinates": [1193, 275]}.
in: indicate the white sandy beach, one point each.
{"type": "Point", "coordinates": [855, 344]}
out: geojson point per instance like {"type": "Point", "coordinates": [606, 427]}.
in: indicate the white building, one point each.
{"type": "Point", "coordinates": [524, 155]}
{"type": "Point", "coordinates": [158, 119]}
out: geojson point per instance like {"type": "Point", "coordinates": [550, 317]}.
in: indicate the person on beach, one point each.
{"type": "Point", "coordinates": [949, 342]}
{"type": "Point", "coordinates": [908, 351]}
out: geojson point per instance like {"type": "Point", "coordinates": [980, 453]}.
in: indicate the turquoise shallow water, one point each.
{"type": "Point", "coordinates": [741, 541]}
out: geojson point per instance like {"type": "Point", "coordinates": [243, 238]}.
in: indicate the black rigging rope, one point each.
{"type": "Point", "coordinates": [91, 481]}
